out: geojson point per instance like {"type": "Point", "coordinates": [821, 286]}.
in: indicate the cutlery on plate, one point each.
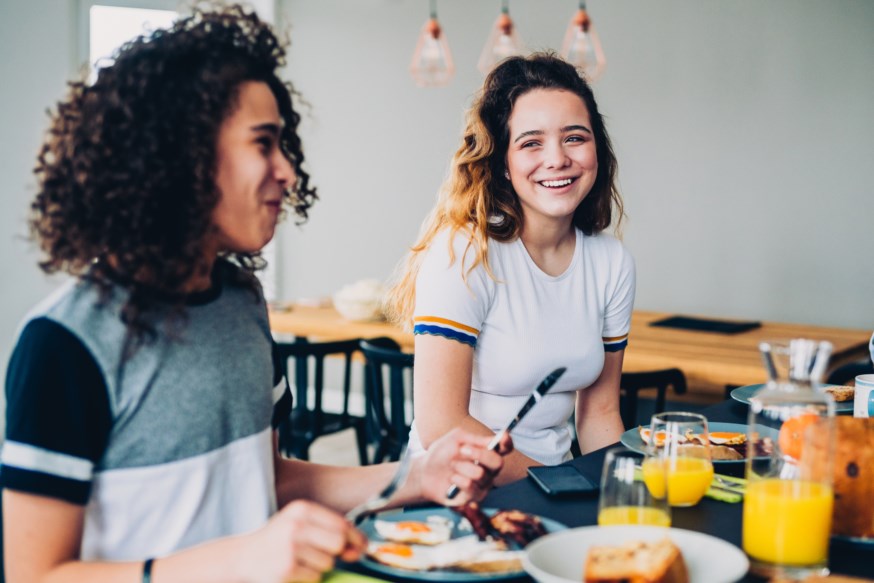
{"type": "Point", "coordinates": [379, 501]}
{"type": "Point", "coordinates": [532, 400]}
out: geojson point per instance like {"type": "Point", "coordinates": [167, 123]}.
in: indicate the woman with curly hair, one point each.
{"type": "Point", "coordinates": [513, 274]}
{"type": "Point", "coordinates": [142, 398]}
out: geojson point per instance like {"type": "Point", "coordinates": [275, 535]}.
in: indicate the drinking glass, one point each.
{"type": "Point", "coordinates": [679, 464]}
{"type": "Point", "coordinates": [625, 497]}
{"type": "Point", "coordinates": [789, 499]}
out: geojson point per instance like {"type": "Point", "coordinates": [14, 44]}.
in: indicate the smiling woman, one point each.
{"type": "Point", "coordinates": [514, 275]}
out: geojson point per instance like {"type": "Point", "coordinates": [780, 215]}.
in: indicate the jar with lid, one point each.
{"type": "Point", "coordinates": [790, 450]}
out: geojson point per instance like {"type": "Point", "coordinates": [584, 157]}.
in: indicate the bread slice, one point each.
{"type": "Point", "coordinates": [636, 562]}
{"type": "Point", "coordinates": [841, 393]}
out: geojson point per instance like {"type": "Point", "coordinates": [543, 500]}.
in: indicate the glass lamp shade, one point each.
{"type": "Point", "coordinates": [503, 42]}
{"type": "Point", "coordinates": [582, 47]}
{"type": "Point", "coordinates": [432, 62]}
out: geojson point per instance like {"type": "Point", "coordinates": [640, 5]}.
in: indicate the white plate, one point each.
{"type": "Point", "coordinates": [745, 393]}
{"type": "Point", "coordinates": [368, 528]}
{"type": "Point", "coordinates": [559, 557]}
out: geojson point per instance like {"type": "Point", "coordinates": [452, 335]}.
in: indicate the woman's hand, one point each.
{"type": "Point", "coordinates": [461, 458]}
{"type": "Point", "coordinates": [299, 543]}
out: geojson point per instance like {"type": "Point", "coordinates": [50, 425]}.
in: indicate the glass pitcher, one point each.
{"type": "Point", "coordinates": [788, 504]}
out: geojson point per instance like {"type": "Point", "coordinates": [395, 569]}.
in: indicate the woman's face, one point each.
{"type": "Point", "coordinates": [251, 172]}
{"type": "Point", "coordinates": [551, 157]}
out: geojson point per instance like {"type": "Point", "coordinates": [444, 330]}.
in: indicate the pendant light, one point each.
{"type": "Point", "coordinates": [582, 47]}
{"type": "Point", "coordinates": [432, 62]}
{"type": "Point", "coordinates": [503, 42]}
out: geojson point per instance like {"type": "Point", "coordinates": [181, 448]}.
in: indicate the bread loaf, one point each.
{"type": "Point", "coordinates": [841, 393]}
{"type": "Point", "coordinates": [853, 469]}
{"type": "Point", "coordinates": [636, 562]}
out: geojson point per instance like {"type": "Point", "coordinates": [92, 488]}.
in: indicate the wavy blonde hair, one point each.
{"type": "Point", "coordinates": [478, 199]}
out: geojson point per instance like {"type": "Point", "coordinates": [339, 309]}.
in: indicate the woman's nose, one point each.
{"type": "Point", "coordinates": [283, 170]}
{"type": "Point", "coordinates": [555, 156]}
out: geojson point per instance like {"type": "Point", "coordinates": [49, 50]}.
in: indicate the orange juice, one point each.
{"type": "Point", "coordinates": [688, 479]}
{"type": "Point", "coordinates": [633, 515]}
{"type": "Point", "coordinates": [787, 522]}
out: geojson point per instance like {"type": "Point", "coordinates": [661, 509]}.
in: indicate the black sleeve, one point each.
{"type": "Point", "coordinates": [58, 417]}
{"type": "Point", "coordinates": [282, 406]}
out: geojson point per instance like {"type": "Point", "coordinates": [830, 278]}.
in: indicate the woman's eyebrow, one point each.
{"type": "Point", "coordinates": [271, 128]}
{"type": "Point", "coordinates": [565, 129]}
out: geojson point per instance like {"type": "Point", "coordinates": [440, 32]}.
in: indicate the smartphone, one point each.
{"type": "Point", "coordinates": [562, 480]}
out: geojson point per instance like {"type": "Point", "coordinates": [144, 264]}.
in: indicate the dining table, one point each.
{"type": "Point", "coordinates": [719, 519]}
{"type": "Point", "coordinates": [712, 362]}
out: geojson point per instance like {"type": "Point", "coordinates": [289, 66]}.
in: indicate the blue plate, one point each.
{"type": "Point", "coordinates": [743, 394]}
{"type": "Point", "coordinates": [631, 438]}
{"type": "Point", "coordinates": [439, 574]}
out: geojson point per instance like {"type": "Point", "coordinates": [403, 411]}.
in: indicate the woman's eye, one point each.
{"type": "Point", "coordinates": [265, 144]}
{"type": "Point", "coordinates": [576, 139]}
{"type": "Point", "coordinates": [530, 144]}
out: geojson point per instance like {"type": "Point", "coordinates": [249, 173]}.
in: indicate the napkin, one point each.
{"type": "Point", "coordinates": [704, 325]}
{"type": "Point", "coordinates": [340, 576]}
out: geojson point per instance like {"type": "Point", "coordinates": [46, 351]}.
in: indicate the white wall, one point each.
{"type": "Point", "coordinates": [745, 167]}
{"type": "Point", "coordinates": [744, 132]}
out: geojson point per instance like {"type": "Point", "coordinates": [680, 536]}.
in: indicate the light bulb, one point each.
{"type": "Point", "coordinates": [432, 62]}
{"type": "Point", "coordinates": [582, 47]}
{"type": "Point", "coordinates": [503, 42]}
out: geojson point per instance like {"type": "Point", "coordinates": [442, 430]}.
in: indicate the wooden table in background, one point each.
{"type": "Point", "coordinates": [710, 361]}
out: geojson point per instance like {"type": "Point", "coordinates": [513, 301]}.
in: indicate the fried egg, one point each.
{"type": "Point", "coordinates": [646, 436]}
{"type": "Point", "coordinates": [434, 531]}
{"type": "Point", "coordinates": [426, 558]}
{"type": "Point", "coordinates": [727, 438]}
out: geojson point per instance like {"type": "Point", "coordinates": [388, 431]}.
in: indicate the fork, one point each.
{"type": "Point", "coordinates": [379, 501]}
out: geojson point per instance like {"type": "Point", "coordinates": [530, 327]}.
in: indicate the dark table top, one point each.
{"type": "Point", "coordinates": [708, 516]}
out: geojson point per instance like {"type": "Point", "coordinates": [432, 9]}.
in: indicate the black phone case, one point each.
{"type": "Point", "coordinates": [562, 480]}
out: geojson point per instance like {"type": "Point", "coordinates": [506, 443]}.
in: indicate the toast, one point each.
{"type": "Point", "coordinates": [636, 562]}
{"type": "Point", "coordinates": [841, 393]}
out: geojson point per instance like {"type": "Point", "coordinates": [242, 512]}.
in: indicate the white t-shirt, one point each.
{"type": "Point", "coordinates": [526, 324]}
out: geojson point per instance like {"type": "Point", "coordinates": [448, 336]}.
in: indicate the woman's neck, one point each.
{"type": "Point", "coordinates": [551, 246]}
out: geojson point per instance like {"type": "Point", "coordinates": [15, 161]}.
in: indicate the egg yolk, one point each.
{"type": "Point", "coordinates": [399, 550]}
{"type": "Point", "coordinates": [413, 526]}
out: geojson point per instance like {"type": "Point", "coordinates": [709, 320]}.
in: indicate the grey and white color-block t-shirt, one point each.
{"type": "Point", "coordinates": [167, 449]}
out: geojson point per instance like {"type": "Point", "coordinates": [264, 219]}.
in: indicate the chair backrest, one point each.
{"type": "Point", "coordinates": [309, 418]}
{"type": "Point", "coordinates": [632, 383]}
{"type": "Point", "coordinates": [391, 425]}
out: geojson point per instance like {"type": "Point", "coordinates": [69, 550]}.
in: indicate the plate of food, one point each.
{"type": "Point", "coordinates": [634, 553]}
{"type": "Point", "coordinates": [728, 441]}
{"type": "Point", "coordinates": [843, 395]}
{"type": "Point", "coordinates": [439, 544]}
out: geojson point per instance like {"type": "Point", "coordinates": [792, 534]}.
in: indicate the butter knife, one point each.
{"type": "Point", "coordinates": [535, 397]}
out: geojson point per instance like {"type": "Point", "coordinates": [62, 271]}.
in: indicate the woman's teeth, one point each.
{"type": "Point", "coordinates": [556, 183]}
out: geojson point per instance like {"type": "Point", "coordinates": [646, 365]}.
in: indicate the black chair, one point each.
{"type": "Point", "coordinates": [848, 372]}
{"type": "Point", "coordinates": [308, 420]}
{"type": "Point", "coordinates": [632, 383]}
{"type": "Point", "coordinates": [389, 428]}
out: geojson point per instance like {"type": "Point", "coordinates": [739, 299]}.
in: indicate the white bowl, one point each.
{"type": "Point", "coordinates": [361, 301]}
{"type": "Point", "coordinates": [364, 310]}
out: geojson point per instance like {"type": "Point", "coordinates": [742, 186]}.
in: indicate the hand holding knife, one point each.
{"type": "Point", "coordinates": [535, 397]}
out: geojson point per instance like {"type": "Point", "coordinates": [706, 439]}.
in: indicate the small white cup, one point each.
{"type": "Point", "coordinates": [863, 402]}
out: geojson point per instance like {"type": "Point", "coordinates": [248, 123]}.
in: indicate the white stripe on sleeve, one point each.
{"type": "Point", "coordinates": [37, 459]}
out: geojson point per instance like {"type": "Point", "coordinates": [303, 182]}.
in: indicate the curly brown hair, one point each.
{"type": "Point", "coordinates": [127, 173]}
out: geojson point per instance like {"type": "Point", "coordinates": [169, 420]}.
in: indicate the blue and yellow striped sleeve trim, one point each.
{"type": "Point", "coordinates": [447, 328]}
{"type": "Point", "coordinates": [615, 343]}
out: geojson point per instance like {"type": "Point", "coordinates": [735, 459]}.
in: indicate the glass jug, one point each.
{"type": "Point", "coordinates": [788, 504]}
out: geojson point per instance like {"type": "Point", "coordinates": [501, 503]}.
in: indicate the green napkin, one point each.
{"type": "Point", "coordinates": [340, 576]}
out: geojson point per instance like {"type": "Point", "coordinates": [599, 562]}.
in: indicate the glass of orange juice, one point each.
{"type": "Point", "coordinates": [625, 497]}
{"type": "Point", "coordinates": [679, 464]}
{"type": "Point", "coordinates": [789, 500]}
